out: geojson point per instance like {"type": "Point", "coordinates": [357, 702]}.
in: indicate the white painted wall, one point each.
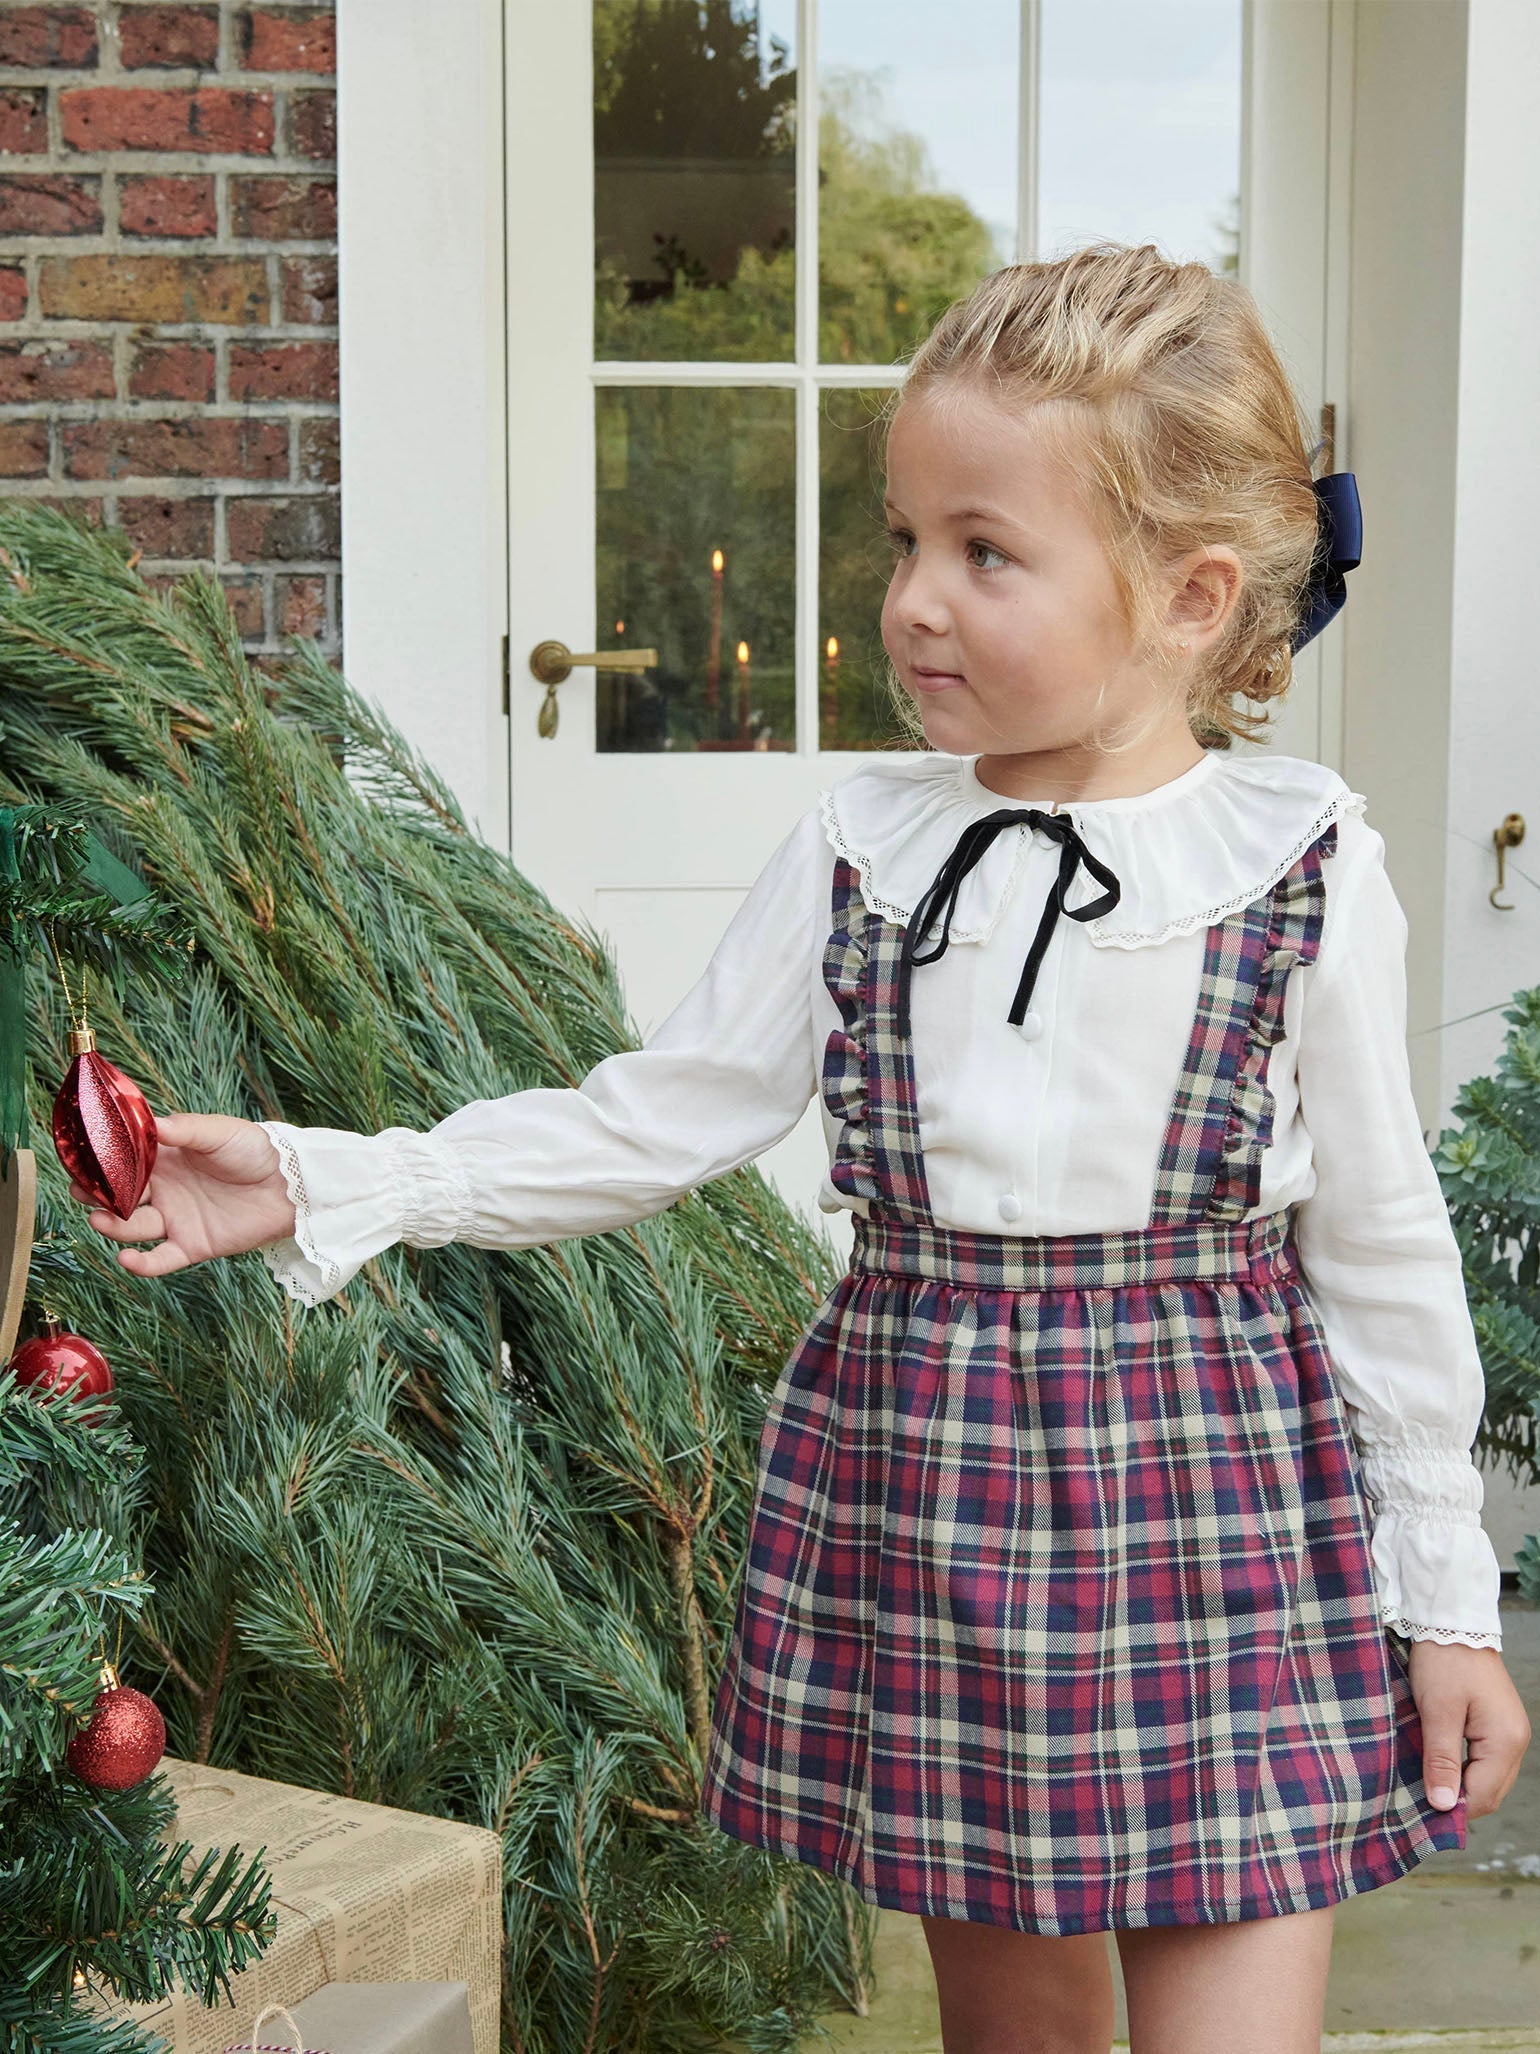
{"type": "Point", "coordinates": [1494, 728]}
{"type": "Point", "coordinates": [1494, 710]}
{"type": "Point", "coordinates": [420, 310]}
{"type": "Point", "coordinates": [1401, 436]}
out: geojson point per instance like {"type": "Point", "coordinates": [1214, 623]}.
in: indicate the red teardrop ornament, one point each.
{"type": "Point", "coordinates": [126, 1737]}
{"type": "Point", "coordinates": [59, 1361]}
{"type": "Point", "coordinates": [103, 1128]}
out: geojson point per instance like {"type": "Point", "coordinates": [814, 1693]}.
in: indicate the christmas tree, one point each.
{"type": "Point", "coordinates": [91, 1900]}
{"type": "Point", "coordinates": [467, 1538]}
{"type": "Point", "coordinates": [1489, 1168]}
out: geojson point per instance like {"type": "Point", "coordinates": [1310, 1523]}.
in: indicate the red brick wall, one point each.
{"type": "Point", "coordinates": [168, 290]}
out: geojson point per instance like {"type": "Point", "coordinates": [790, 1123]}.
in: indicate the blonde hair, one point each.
{"type": "Point", "coordinates": [1166, 399]}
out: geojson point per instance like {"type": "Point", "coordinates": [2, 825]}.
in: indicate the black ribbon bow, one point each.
{"type": "Point", "coordinates": [944, 888]}
{"type": "Point", "coordinates": [1339, 525]}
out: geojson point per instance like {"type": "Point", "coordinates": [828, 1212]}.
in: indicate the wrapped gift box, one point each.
{"type": "Point", "coordinates": [372, 2018]}
{"type": "Point", "coordinates": [363, 1894]}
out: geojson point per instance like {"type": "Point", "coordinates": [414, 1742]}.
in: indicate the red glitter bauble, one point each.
{"type": "Point", "coordinates": [124, 1740]}
{"type": "Point", "coordinates": [103, 1128]}
{"type": "Point", "coordinates": [59, 1361]}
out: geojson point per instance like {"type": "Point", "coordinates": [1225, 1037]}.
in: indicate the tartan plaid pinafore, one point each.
{"type": "Point", "coordinates": [1058, 1610]}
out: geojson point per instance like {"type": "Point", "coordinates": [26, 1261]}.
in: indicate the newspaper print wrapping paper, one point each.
{"type": "Point", "coordinates": [363, 1894]}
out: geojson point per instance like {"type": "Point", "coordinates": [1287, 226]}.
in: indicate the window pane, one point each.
{"type": "Point", "coordinates": [697, 559]}
{"type": "Point", "coordinates": [917, 165]}
{"type": "Point", "coordinates": [694, 179]}
{"type": "Point", "coordinates": [855, 705]}
{"type": "Point", "coordinates": [1140, 116]}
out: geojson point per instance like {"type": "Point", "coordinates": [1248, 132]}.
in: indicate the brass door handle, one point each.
{"type": "Point", "coordinates": [550, 662]}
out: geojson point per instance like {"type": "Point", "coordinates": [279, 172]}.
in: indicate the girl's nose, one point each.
{"type": "Point", "coordinates": [920, 601]}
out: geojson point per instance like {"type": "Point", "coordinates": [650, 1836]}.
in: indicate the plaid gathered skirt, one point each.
{"type": "Point", "coordinates": [1058, 1609]}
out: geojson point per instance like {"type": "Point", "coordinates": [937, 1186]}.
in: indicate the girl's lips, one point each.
{"type": "Point", "coordinates": [937, 680]}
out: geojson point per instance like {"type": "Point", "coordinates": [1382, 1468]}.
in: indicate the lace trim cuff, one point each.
{"type": "Point", "coordinates": [1437, 1575]}
{"type": "Point", "coordinates": [1447, 1636]}
{"type": "Point", "coordinates": [298, 1276]}
{"type": "Point", "coordinates": [282, 1257]}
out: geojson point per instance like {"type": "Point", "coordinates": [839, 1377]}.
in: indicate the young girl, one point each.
{"type": "Point", "coordinates": [1116, 1560]}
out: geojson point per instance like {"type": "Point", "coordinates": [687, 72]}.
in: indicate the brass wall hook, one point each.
{"type": "Point", "coordinates": [1508, 836]}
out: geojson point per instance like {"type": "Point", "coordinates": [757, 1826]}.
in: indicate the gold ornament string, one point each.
{"type": "Point", "coordinates": [77, 1012]}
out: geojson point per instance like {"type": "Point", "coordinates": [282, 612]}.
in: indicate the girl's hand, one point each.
{"type": "Point", "coordinates": [217, 1188]}
{"type": "Point", "coordinates": [1465, 1693]}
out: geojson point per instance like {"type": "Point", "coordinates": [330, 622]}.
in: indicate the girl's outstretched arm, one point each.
{"type": "Point", "coordinates": [726, 1075]}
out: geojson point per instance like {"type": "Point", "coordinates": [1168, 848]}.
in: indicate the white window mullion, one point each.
{"type": "Point", "coordinates": [669, 371]}
{"type": "Point", "coordinates": [666, 371]}
{"type": "Point", "coordinates": [1027, 125]}
{"type": "Point", "coordinates": [806, 626]}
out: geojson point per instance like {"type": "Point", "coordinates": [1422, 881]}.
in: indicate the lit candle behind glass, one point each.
{"type": "Point", "coordinates": [714, 647]}
{"type": "Point", "coordinates": [743, 692]}
{"type": "Point", "coordinates": [829, 696]}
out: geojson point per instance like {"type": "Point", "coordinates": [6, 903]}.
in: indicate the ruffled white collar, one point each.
{"type": "Point", "coordinates": [1186, 854]}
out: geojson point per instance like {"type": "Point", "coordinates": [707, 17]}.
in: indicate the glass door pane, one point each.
{"type": "Point", "coordinates": [697, 554]}
{"type": "Point", "coordinates": [1139, 118]}
{"type": "Point", "coordinates": [859, 695]}
{"type": "Point", "coordinates": [918, 151]}
{"type": "Point", "coordinates": [695, 146]}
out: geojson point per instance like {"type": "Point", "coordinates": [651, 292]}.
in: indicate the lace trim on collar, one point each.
{"type": "Point", "coordinates": [1185, 860]}
{"type": "Point", "coordinates": [1183, 923]}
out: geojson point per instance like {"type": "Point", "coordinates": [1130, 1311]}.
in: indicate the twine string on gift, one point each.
{"type": "Point", "coordinates": [256, 2046]}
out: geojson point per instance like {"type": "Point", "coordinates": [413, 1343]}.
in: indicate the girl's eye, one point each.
{"type": "Point", "coordinates": [899, 537]}
{"type": "Point", "coordinates": [992, 551]}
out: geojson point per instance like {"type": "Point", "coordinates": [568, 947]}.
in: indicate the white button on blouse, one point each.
{"type": "Point", "coordinates": [733, 1067]}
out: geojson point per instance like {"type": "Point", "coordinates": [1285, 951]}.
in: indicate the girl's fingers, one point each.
{"type": "Point", "coordinates": [1443, 1713]}
{"type": "Point", "coordinates": [198, 1133]}
{"type": "Point", "coordinates": [153, 1262]}
{"type": "Point", "coordinates": [144, 1223]}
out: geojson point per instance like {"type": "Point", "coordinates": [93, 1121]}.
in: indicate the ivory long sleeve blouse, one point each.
{"type": "Point", "coordinates": [1052, 1127]}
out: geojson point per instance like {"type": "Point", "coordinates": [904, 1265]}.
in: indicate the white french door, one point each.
{"type": "Point", "coordinates": [728, 220]}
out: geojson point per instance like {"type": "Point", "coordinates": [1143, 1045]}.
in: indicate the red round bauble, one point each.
{"type": "Point", "coordinates": [126, 1737]}
{"type": "Point", "coordinates": [61, 1361]}
{"type": "Point", "coordinates": [103, 1128]}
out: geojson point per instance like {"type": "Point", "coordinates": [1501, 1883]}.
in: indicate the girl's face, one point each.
{"type": "Point", "coordinates": [1002, 618]}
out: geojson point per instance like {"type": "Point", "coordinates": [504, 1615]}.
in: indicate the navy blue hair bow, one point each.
{"type": "Point", "coordinates": [1339, 549]}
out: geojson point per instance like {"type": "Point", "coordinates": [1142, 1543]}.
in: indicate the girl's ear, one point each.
{"type": "Point", "coordinates": [1205, 585]}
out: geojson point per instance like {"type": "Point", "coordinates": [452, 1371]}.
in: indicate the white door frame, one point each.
{"type": "Point", "coordinates": [422, 305]}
